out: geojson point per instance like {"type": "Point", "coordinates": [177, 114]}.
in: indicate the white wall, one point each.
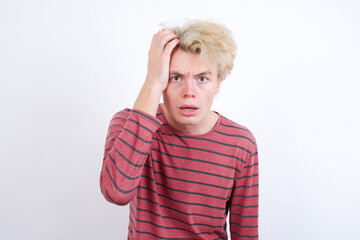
{"type": "Point", "coordinates": [67, 66]}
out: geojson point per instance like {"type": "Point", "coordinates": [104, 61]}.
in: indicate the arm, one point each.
{"type": "Point", "coordinates": [130, 131]}
{"type": "Point", "coordinates": [158, 71]}
{"type": "Point", "coordinates": [245, 200]}
{"type": "Point", "coordinates": [126, 149]}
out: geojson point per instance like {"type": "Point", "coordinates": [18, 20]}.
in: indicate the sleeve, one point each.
{"type": "Point", "coordinates": [245, 200]}
{"type": "Point", "coordinates": [126, 148]}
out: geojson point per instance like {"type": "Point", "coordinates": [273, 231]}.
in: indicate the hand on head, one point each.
{"type": "Point", "coordinates": [157, 76]}
{"type": "Point", "coordinates": [160, 51]}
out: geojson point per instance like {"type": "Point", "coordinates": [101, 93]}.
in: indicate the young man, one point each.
{"type": "Point", "coordinates": [181, 166]}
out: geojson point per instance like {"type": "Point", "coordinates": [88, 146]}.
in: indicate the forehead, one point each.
{"type": "Point", "coordinates": [184, 61]}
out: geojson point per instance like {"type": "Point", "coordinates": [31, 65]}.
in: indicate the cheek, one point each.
{"type": "Point", "coordinates": [165, 95]}
{"type": "Point", "coordinates": [208, 97]}
{"type": "Point", "coordinates": [208, 92]}
{"type": "Point", "coordinates": [210, 87]}
{"type": "Point", "coordinates": [172, 90]}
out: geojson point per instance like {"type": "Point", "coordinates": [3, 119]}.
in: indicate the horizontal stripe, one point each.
{"type": "Point", "coordinates": [244, 236]}
{"type": "Point", "coordinates": [112, 133]}
{"type": "Point", "coordinates": [243, 216]}
{"type": "Point", "coordinates": [242, 226]}
{"type": "Point", "coordinates": [116, 186]}
{"type": "Point", "coordinates": [172, 218]}
{"type": "Point", "coordinates": [196, 160]}
{"type": "Point", "coordinates": [178, 211]}
{"type": "Point", "coordinates": [206, 139]}
{"type": "Point", "coordinates": [115, 125]}
{"type": "Point", "coordinates": [163, 227]}
{"type": "Point", "coordinates": [243, 206]}
{"type": "Point", "coordinates": [253, 154]}
{"type": "Point", "coordinates": [148, 166]}
{"type": "Point", "coordinates": [250, 166]}
{"type": "Point", "coordinates": [182, 191]}
{"type": "Point", "coordinates": [182, 202]}
{"type": "Point", "coordinates": [132, 133]}
{"type": "Point", "coordinates": [142, 126]}
{"type": "Point", "coordinates": [118, 118]}
{"type": "Point", "coordinates": [117, 203]}
{"type": "Point", "coordinates": [244, 196]}
{"type": "Point", "coordinates": [134, 149]}
{"type": "Point", "coordinates": [200, 149]}
{"type": "Point", "coordinates": [124, 112]}
{"type": "Point", "coordinates": [244, 186]}
{"type": "Point", "coordinates": [149, 233]}
{"type": "Point", "coordinates": [193, 182]}
{"type": "Point", "coordinates": [146, 199]}
{"type": "Point", "coordinates": [127, 160]}
{"type": "Point", "coordinates": [191, 193]}
{"type": "Point", "coordinates": [122, 173]}
{"type": "Point", "coordinates": [232, 135]}
{"type": "Point", "coordinates": [191, 170]}
{"type": "Point", "coordinates": [254, 175]}
{"type": "Point", "coordinates": [140, 113]}
{"type": "Point", "coordinates": [225, 125]}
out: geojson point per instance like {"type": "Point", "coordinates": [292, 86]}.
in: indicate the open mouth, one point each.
{"type": "Point", "coordinates": [188, 109]}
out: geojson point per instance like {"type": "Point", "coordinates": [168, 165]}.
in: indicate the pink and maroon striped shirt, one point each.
{"type": "Point", "coordinates": [178, 185]}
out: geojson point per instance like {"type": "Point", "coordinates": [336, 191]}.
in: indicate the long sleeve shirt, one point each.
{"type": "Point", "coordinates": [179, 185]}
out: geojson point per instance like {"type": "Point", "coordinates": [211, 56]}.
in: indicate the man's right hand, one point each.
{"type": "Point", "coordinates": [161, 47]}
{"type": "Point", "coordinates": [157, 76]}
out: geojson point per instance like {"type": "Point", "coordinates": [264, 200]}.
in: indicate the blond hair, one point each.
{"type": "Point", "coordinates": [212, 41]}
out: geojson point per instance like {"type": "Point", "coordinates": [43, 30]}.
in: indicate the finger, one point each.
{"type": "Point", "coordinates": [162, 39]}
{"type": "Point", "coordinates": [166, 35]}
{"type": "Point", "coordinates": [160, 42]}
{"type": "Point", "coordinates": [167, 39]}
{"type": "Point", "coordinates": [170, 47]}
{"type": "Point", "coordinates": [162, 35]}
{"type": "Point", "coordinates": [163, 31]}
{"type": "Point", "coordinates": [159, 36]}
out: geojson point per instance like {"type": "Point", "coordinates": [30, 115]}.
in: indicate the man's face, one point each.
{"type": "Point", "coordinates": [190, 92]}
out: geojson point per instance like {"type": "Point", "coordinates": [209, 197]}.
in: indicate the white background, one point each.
{"type": "Point", "coordinates": [67, 66]}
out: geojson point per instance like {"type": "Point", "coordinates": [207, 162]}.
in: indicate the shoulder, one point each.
{"type": "Point", "coordinates": [137, 117]}
{"type": "Point", "coordinates": [236, 134]}
{"type": "Point", "coordinates": [121, 115]}
{"type": "Point", "coordinates": [241, 136]}
{"type": "Point", "coordinates": [232, 128]}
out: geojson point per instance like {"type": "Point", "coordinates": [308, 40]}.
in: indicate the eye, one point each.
{"type": "Point", "coordinates": [202, 79]}
{"type": "Point", "coordinates": [176, 78]}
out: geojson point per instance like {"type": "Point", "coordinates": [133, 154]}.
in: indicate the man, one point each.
{"type": "Point", "coordinates": [179, 165]}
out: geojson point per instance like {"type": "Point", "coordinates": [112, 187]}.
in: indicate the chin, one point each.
{"type": "Point", "coordinates": [188, 120]}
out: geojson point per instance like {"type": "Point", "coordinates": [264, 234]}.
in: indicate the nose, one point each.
{"type": "Point", "coordinates": [189, 88]}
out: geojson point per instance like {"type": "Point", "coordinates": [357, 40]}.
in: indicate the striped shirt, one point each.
{"type": "Point", "coordinates": [179, 185]}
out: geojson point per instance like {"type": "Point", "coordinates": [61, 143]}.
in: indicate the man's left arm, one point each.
{"type": "Point", "coordinates": [245, 199]}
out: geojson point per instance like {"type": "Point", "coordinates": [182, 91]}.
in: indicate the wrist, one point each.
{"type": "Point", "coordinates": [148, 99]}
{"type": "Point", "coordinates": [152, 88]}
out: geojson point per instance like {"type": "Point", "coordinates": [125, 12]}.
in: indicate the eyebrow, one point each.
{"type": "Point", "coordinates": [181, 75]}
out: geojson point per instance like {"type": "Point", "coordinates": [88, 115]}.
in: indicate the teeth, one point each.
{"type": "Point", "coordinates": [188, 109]}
